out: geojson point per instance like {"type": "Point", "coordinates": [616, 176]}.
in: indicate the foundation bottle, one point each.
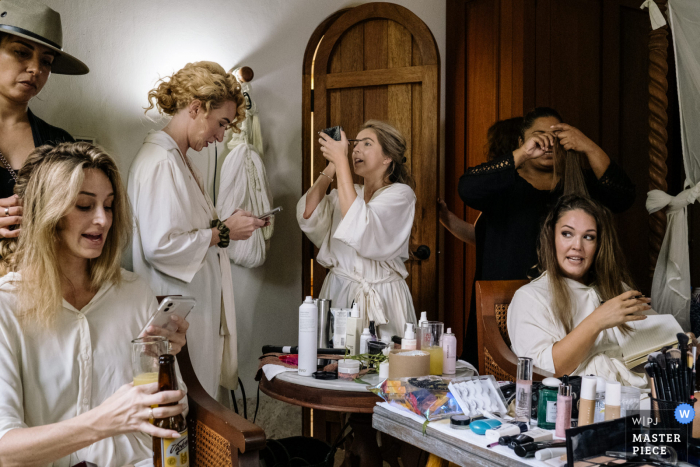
{"type": "Point", "coordinates": [563, 408]}
{"type": "Point", "coordinates": [586, 408]}
{"type": "Point", "coordinates": [613, 392]}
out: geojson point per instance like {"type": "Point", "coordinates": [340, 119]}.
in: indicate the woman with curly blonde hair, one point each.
{"type": "Point", "coordinates": [67, 314]}
{"type": "Point", "coordinates": [179, 245]}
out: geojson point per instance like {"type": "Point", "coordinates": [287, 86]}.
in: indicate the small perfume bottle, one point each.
{"type": "Point", "coordinates": [523, 390]}
{"type": "Point", "coordinates": [563, 408]}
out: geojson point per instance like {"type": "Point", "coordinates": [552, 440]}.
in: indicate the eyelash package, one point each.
{"type": "Point", "coordinates": [478, 394]}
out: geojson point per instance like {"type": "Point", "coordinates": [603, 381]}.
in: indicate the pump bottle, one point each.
{"type": "Point", "coordinates": [409, 339]}
{"type": "Point", "coordinates": [423, 319]}
{"type": "Point", "coordinates": [353, 331]}
{"type": "Point", "coordinates": [364, 339]}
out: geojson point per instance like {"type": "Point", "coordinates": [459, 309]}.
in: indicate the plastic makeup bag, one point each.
{"type": "Point", "coordinates": [428, 396]}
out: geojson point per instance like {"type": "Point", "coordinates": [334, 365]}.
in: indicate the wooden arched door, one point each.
{"type": "Point", "coordinates": [378, 61]}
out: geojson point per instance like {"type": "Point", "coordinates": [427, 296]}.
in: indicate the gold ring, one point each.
{"type": "Point", "coordinates": [150, 414]}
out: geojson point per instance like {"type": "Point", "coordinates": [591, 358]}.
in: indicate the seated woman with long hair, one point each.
{"type": "Point", "coordinates": [67, 315]}
{"type": "Point", "coordinates": [564, 320]}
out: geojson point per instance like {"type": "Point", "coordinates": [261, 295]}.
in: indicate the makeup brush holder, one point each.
{"type": "Point", "coordinates": [666, 423]}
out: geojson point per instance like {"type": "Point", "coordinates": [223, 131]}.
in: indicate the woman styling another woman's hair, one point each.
{"type": "Point", "coordinates": [515, 192]}
{"type": "Point", "coordinates": [67, 314]}
{"type": "Point", "coordinates": [30, 50]}
{"type": "Point", "coordinates": [565, 319]}
{"type": "Point", "coordinates": [362, 231]}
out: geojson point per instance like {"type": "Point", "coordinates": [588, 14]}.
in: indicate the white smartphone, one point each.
{"type": "Point", "coordinates": [169, 306]}
{"type": "Point", "coordinates": [270, 213]}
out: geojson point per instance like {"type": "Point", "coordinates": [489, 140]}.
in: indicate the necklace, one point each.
{"type": "Point", "coordinates": [9, 168]}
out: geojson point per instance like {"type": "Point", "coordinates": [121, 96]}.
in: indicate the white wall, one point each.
{"type": "Point", "coordinates": [128, 44]}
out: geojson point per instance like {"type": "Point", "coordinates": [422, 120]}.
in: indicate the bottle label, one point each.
{"type": "Point", "coordinates": [175, 452]}
{"type": "Point", "coordinates": [551, 412]}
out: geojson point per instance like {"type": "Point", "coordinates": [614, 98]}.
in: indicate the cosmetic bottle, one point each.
{"type": "Point", "coordinates": [449, 353]}
{"type": "Point", "coordinates": [384, 370]}
{"type": "Point", "coordinates": [353, 331]}
{"type": "Point", "coordinates": [423, 319]}
{"type": "Point", "coordinates": [549, 453]}
{"type": "Point", "coordinates": [523, 390]}
{"type": "Point", "coordinates": [308, 317]}
{"type": "Point", "coordinates": [409, 339]}
{"type": "Point", "coordinates": [530, 436]}
{"type": "Point", "coordinates": [613, 392]}
{"type": "Point", "coordinates": [563, 421]}
{"type": "Point", "coordinates": [586, 408]}
{"type": "Point", "coordinates": [507, 429]}
{"type": "Point", "coordinates": [547, 403]}
{"type": "Point", "coordinates": [364, 339]}
{"type": "Point", "coordinates": [529, 449]}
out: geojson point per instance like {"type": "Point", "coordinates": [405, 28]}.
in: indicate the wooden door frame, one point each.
{"type": "Point", "coordinates": [331, 30]}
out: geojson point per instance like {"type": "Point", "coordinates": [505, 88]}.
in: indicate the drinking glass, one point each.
{"type": "Point", "coordinates": [145, 352]}
{"type": "Point", "coordinates": [431, 342]}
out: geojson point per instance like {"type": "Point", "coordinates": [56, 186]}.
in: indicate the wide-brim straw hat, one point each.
{"type": "Point", "coordinates": [40, 24]}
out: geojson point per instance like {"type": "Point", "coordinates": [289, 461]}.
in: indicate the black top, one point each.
{"type": "Point", "coordinates": [513, 212]}
{"type": "Point", "coordinates": [43, 133]}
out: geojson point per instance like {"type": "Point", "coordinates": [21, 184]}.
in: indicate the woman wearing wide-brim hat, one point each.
{"type": "Point", "coordinates": [31, 48]}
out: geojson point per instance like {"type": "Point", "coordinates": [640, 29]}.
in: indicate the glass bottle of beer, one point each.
{"type": "Point", "coordinates": [170, 452]}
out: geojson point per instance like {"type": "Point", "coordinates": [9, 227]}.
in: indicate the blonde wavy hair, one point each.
{"type": "Point", "coordinates": [608, 271]}
{"type": "Point", "coordinates": [207, 82]}
{"type": "Point", "coordinates": [48, 185]}
{"type": "Point", "coordinates": [394, 147]}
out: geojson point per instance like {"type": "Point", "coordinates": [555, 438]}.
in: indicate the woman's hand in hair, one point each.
{"type": "Point", "coordinates": [573, 139]}
{"type": "Point", "coordinates": [176, 338]}
{"type": "Point", "coordinates": [14, 216]}
{"type": "Point", "coordinates": [534, 147]}
{"type": "Point", "coordinates": [334, 151]}
{"type": "Point", "coordinates": [620, 310]}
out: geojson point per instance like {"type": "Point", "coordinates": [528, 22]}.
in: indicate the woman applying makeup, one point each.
{"type": "Point", "coordinates": [362, 231]}
{"type": "Point", "coordinates": [565, 319]}
{"type": "Point", "coordinates": [30, 50]}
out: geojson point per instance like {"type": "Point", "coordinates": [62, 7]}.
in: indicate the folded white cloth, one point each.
{"type": "Point", "coordinates": [271, 371]}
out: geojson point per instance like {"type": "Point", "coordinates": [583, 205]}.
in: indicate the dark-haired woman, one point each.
{"type": "Point", "coordinates": [362, 231]}
{"type": "Point", "coordinates": [27, 58]}
{"type": "Point", "coordinates": [559, 319]}
{"type": "Point", "coordinates": [515, 192]}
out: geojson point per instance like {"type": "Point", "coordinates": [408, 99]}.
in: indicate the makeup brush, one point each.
{"type": "Point", "coordinates": [673, 359]}
{"type": "Point", "coordinates": [660, 361]}
{"type": "Point", "coordinates": [683, 370]}
{"type": "Point", "coordinates": [693, 378]}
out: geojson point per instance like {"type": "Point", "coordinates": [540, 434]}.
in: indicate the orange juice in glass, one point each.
{"type": "Point", "coordinates": [145, 352]}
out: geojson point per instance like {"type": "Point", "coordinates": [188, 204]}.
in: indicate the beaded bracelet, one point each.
{"type": "Point", "coordinates": [224, 232]}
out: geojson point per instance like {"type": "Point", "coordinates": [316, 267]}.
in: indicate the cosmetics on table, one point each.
{"type": "Point", "coordinates": [506, 429]}
{"type": "Point", "coordinates": [587, 404]}
{"type": "Point", "coordinates": [547, 403]}
{"type": "Point", "coordinates": [523, 390]}
{"type": "Point", "coordinates": [423, 319]}
{"type": "Point", "coordinates": [549, 453]}
{"type": "Point", "coordinates": [308, 316]}
{"type": "Point", "coordinates": [460, 422]}
{"type": "Point", "coordinates": [613, 394]}
{"type": "Point", "coordinates": [564, 404]}
{"type": "Point", "coordinates": [364, 339]}
{"type": "Point", "coordinates": [530, 436]}
{"type": "Point", "coordinates": [409, 339]}
{"type": "Point", "coordinates": [480, 427]}
{"type": "Point", "coordinates": [529, 449]}
{"type": "Point", "coordinates": [353, 330]}
{"type": "Point", "coordinates": [449, 353]}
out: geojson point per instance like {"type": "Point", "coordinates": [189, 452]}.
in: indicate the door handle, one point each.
{"type": "Point", "coordinates": [422, 253]}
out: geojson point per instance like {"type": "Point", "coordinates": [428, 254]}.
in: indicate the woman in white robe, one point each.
{"type": "Point", "coordinates": [566, 320]}
{"type": "Point", "coordinates": [67, 314]}
{"type": "Point", "coordinates": [362, 231]}
{"type": "Point", "coordinates": [176, 248]}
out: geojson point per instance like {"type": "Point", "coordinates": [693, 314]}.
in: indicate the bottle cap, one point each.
{"type": "Point", "coordinates": [588, 387]}
{"type": "Point", "coordinates": [309, 299]}
{"type": "Point", "coordinates": [524, 369]}
{"type": "Point", "coordinates": [423, 316]}
{"type": "Point", "coordinates": [613, 393]}
{"type": "Point", "coordinates": [410, 333]}
{"type": "Point", "coordinates": [551, 382]}
{"type": "Point", "coordinates": [449, 331]}
{"type": "Point", "coordinates": [355, 312]}
{"type": "Point", "coordinates": [600, 387]}
{"type": "Point", "coordinates": [366, 331]}
{"type": "Point", "coordinates": [565, 387]}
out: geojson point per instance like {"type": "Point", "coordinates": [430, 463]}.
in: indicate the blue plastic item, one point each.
{"type": "Point", "coordinates": [480, 426]}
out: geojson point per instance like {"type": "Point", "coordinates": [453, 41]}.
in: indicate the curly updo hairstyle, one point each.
{"type": "Point", "coordinates": [394, 147]}
{"type": "Point", "coordinates": [206, 81]}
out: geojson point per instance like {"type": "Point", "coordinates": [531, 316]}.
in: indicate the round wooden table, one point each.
{"type": "Point", "coordinates": [336, 396]}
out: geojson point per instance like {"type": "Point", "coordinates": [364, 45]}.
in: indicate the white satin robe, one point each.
{"type": "Point", "coordinates": [171, 252]}
{"type": "Point", "coordinates": [365, 252]}
{"type": "Point", "coordinates": [534, 329]}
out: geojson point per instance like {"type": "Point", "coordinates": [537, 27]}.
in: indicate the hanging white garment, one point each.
{"type": "Point", "coordinates": [534, 328]}
{"type": "Point", "coordinates": [365, 251]}
{"type": "Point", "coordinates": [244, 186]}
{"type": "Point", "coordinates": [171, 251]}
{"type": "Point", "coordinates": [671, 286]}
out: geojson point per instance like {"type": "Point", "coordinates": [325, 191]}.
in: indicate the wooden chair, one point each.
{"type": "Point", "coordinates": [218, 437]}
{"type": "Point", "coordinates": [495, 356]}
